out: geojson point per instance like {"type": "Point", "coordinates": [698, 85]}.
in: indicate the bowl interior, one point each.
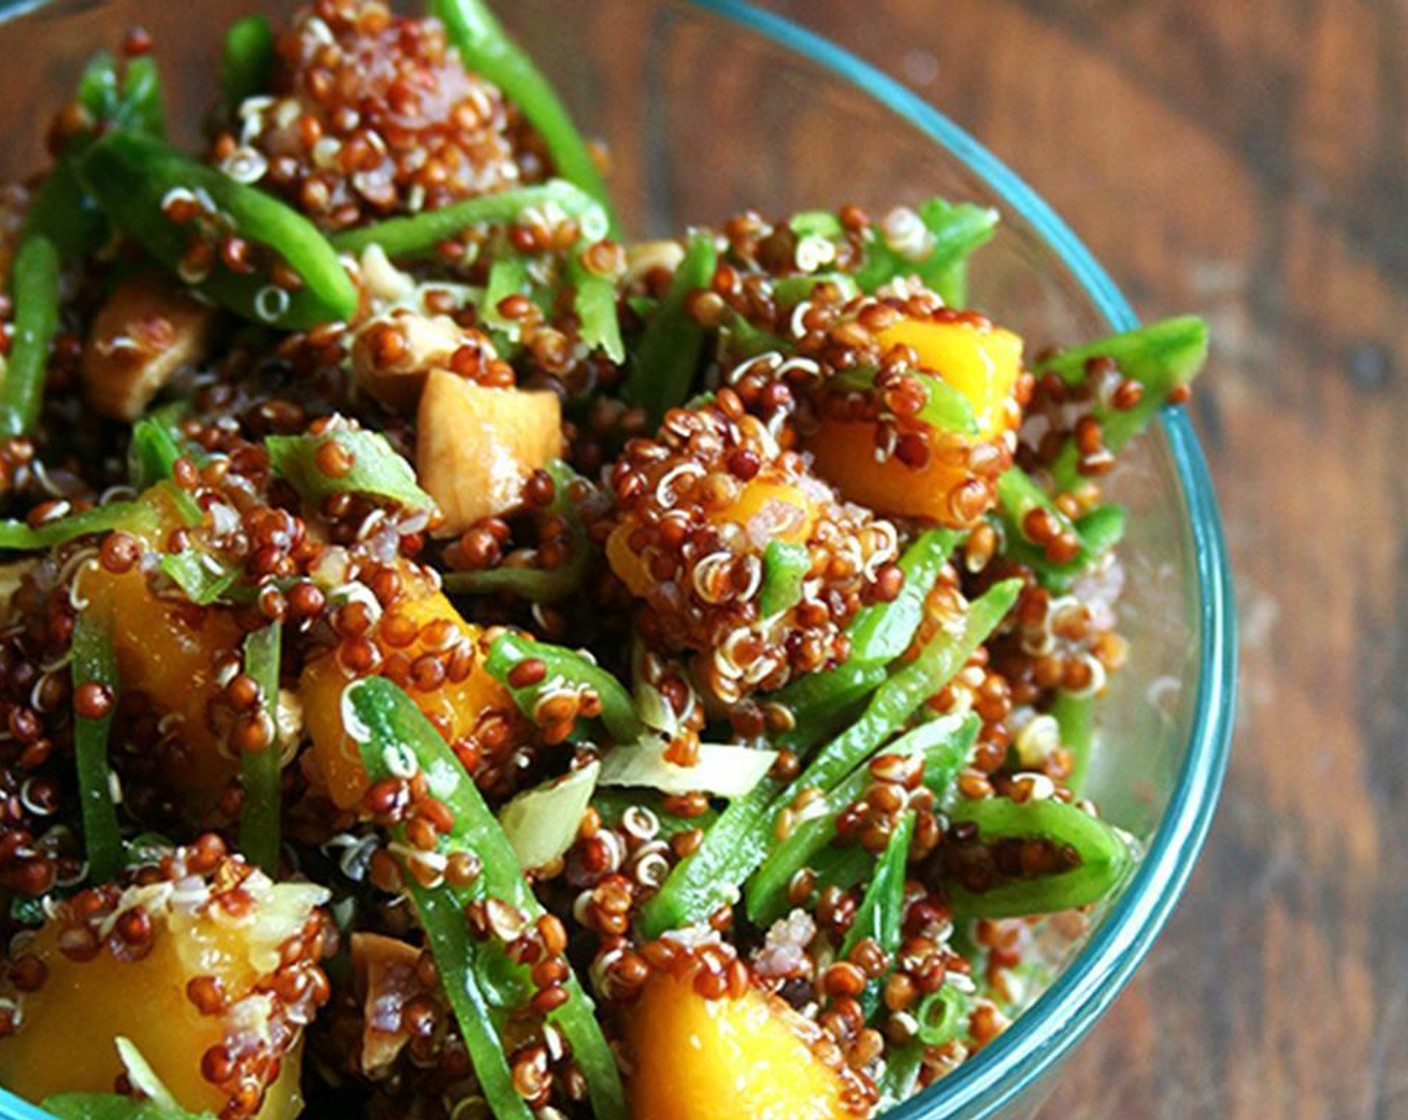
{"type": "Point", "coordinates": [710, 108]}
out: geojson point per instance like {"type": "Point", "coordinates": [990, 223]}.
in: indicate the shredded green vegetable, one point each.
{"type": "Point", "coordinates": [260, 770]}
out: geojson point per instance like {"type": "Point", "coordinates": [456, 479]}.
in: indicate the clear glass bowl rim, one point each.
{"type": "Point", "coordinates": [1063, 1014]}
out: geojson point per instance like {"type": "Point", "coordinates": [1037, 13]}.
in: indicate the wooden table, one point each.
{"type": "Point", "coordinates": [1247, 159]}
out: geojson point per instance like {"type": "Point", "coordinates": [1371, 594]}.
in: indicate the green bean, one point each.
{"type": "Point", "coordinates": [1162, 357]}
{"type": "Point", "coordinates": [790, 291]}
{"type": "Point", "coordinates": [134, 516]}
{"type": "Point", "coordinates": [1095, 533]}
{"type": "Point", "coordinates": [246, 60]}
{"type": "Point", "coordinates": [740, 840]}
{"type": "Point", "coordinates": [666, 360]}
{"type": "Point", "coordinates": [612, 805]}
{"type": "Point", "coordinates": [708, 878]}
{"type": "Point", "coordinates": [98, 86]}
{"type": "Point", "coordinates": [953, 231]}
{"type": "Point", "coordinates": [945, 744]}
{"type": "Point", "coordinates": [944, 406]}
{"type": "Point", "coordinates": [63, 212]}
{"type": "Point", "coordinates": [421, 233]}
{"type": "Point", "coordinates": [567, 668]}
{"type": "Point", "coordinates": [260, 773]}
{"type": "Point", "coordinates": [1104, 858]}
{"type": "Point", "coordinates": [390, 731]}
{"type": "Point", "coordinates": [373, 468]}
{"type": "Point", "coordinates": [595, 303]}
{"type": "Point", "coordinates": [842, 868]}
{"type": "Point", "coordinates": [133, 177]}
{"type": "Point", "coordinates": [883, 631]}
{"type": "Point", "coordinates": [34, 286]}
{"type": "Point", "coordinates": [538, 585]}
{"type": "Point", "coordinates": [488, 50]}
{"type": "Point", "coordinates": [1076, 716]}
{"type": "Point", "coordinates": [785, 568]}
{"type": "Point", "coordinates": [508, 276]}
{"type": "Point", "coordinates": [909, 686]}
{"type": "Point", "coordinates": [880, 914]}
{"type": "Point", "coordinates": [141, 105]}
{"type": "Point", "coordinates": [114, 1106]}
{"type": "Point", "coordinates": [818, 700]}
{"type": "Point", "coordinates": [93, 661]}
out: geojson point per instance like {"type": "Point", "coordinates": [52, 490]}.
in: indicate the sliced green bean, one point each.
{"type": "Point", "coordinates": [134, 516]}
{"type": "Point", "coordinates": [538, 585]}
{"type": "Point", "coordinates": [260, 774]}
{"type": "Point", "coordinates": [388, 727]}
{"type": "Point", "coordinates": [114, 1106]}
{"type": "Point", "coordinates": [34, 287]}
{"type": "Point", "coordinates": [945, 744]}
{"type": "Point", "coordinates": [709, 877]}
{"type": "Point", "coordinates": [880, 914]}
{"type": "Point", "coordinates": [1162, 357]}
{"type": "Point", "coordinates": [421, 233]}
{"type": "Point", "coordinates": [486, 48]}
{"type": "Point", "coordinates": [563, 667]}
{"type": "Point", "coordinates": [909, 686]}
{"type": "Point", "coordinates": [952, 233]}
{"type": "Point", "coordinates": [1104, 858]}
{"type": "Point", "coordinates": [246, 60]}
{"type": "Point", "coordinates": [944, 406]}
{"type": "Point", "coordinates": [202, 578]}
{"type": "Point", "coordinates": [739, 842]}
{"type": "Point", "coordinates": [898, 1079]}
{"type": "Point", "coordinates": [666, 361]}
{"type": "Point", "coordinates": [1076, 716]}
{"type": "Point", "coordinates": [613, 804]}
{"type": "Point", "coordinates": [133, 177]}
{"type": "Point", "coordinates": [883, 631]}
{"type": "Point", "coordinates": [94, 662]}
{"type": "Point", "coordinates": [785, 568]}
{"type": "Point", "coordinates": [1095, 533]}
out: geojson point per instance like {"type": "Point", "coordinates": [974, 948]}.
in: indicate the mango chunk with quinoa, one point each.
{"type": "Point", "coordinates": [766, 508]}
{"type": "Point", "coordinates": [909, 468]}
{"type": "Point", "coordinates": [423, 644]}
{"type": "Point", "coordinates": [169, 650]}
{"type": "Point", "coordinates": [210, 977]}
{"type": "Point", "coordinates": [750, 1058]}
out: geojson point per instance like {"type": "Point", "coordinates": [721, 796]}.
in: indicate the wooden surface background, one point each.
{"type": "Point", "coordinates": [1247, 159]}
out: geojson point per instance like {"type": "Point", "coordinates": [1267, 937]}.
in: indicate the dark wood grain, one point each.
{"type": "Point", "coordinates": [1247, 159]}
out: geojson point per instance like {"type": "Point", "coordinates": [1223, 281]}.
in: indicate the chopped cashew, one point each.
{"type": "Point", "coordinates": [147, 331]}
{"type": "Point", "coordinates": [475, 447]}
{"type": "Point", "coordinates": [392, 354]}
{"type": "Point", "coordinates": [646, 256]}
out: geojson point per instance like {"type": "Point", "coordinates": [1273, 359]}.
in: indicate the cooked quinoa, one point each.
{"type": "Point", "coordinates": [456, 662]}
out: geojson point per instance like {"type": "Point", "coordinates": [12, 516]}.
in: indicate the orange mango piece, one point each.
{"type": "Point", "coordinates": [68, 1029]}
{"type": "Point", "coordinates": [844, 455]}
{"type": "Point", "coordinates": [781, 507]}
{"type": "Point", "coordinates": [982, 363]}
{"type": "Point", "coordinates": [745, 1059]}
{"type": "Point", "coordinates": [168, 649]}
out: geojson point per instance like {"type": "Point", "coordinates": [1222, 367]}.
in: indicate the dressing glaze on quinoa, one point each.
{"type": "Point", "coordinates": [455, 662]}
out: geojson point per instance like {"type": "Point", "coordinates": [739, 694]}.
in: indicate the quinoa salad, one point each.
{"type": "Point", "coordinates": [458, 661]}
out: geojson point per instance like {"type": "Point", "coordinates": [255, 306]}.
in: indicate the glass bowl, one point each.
{"type": "Point", "coordinates": [713, 106]}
